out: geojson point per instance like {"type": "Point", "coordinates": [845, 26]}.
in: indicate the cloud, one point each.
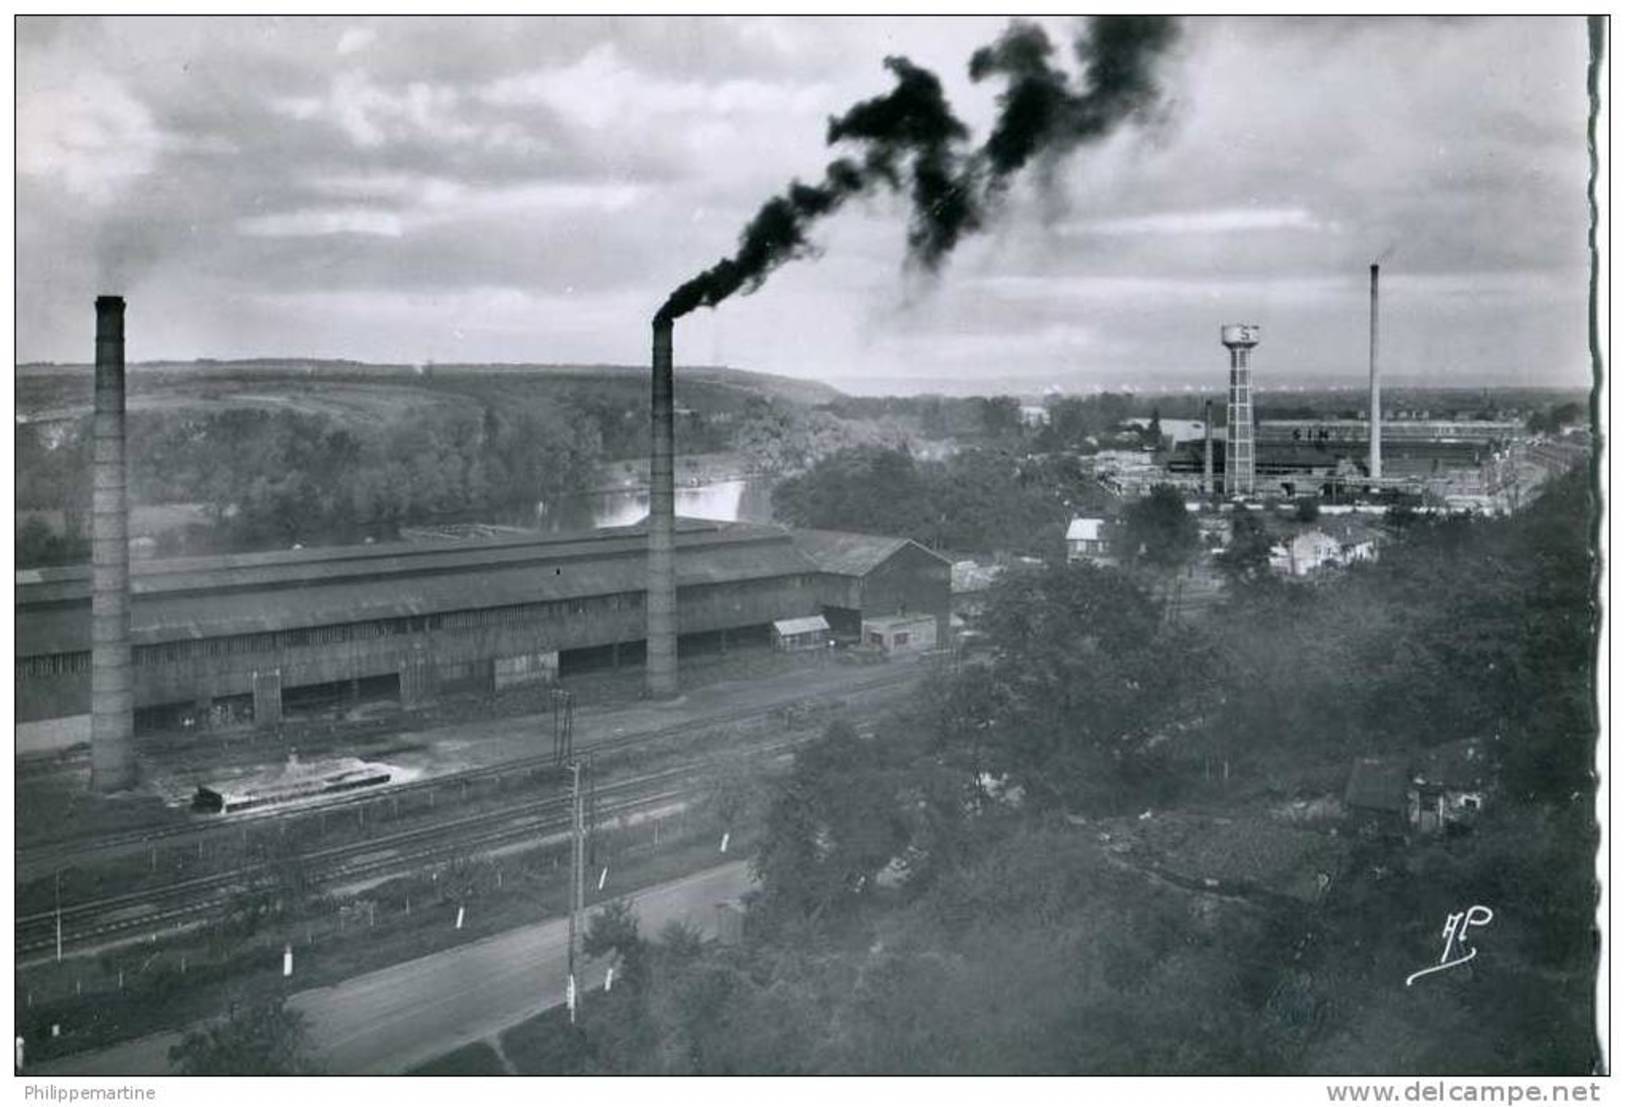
{"type": "Point", "coordinates": [602, 88]}
{"type": "Point", "coordinates": [1212, 221]}
{"type": "Point", "coordinates": [370, 185]}
{"type": "Point", "coordinates": [354, 40]}
{"type": "Point", "coordinates": [84, 130]}
{"type": "Point", "coordinates": [323, 222]}
{"type": "Point", "coordinates": [373, 115]}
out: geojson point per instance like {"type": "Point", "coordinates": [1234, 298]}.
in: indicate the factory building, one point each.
{"type": "Point", "coordinates": [1301, 458]}
{"type": "Point", "coordinates": [246, 635]}
{"type": "Point", "coordinates": [864, 576]}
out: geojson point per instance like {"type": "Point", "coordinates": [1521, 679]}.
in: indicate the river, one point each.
{"type": "Point", "coordinates": [738, 500]}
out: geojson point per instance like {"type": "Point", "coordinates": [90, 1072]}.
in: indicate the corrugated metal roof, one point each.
{"type": "Point", "coordinates": [852, 555]}
{"type": "Point", "coordinates": [807, 624]}
{"type": "Point", "coordinates": [298, 568]}
{"type": "Point", "coordinates": [403, 586]}
{"type": "Point", "coordinates": [893, 622]}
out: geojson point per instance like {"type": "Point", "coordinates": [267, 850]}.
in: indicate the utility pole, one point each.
{"type": "Point", "coordinates": [577, 879]}
{"type": "Point", "coordinates": [592, 812]}
{"type": "Point", "coordinates": [59, 916]}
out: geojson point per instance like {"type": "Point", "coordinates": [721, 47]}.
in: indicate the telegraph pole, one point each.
{"type": "Point", "coordinates": [592, 812]}
{"type": "Point", "coordinates": [577, 878]}
{"type": "Point", "coordinates": [59, 916]}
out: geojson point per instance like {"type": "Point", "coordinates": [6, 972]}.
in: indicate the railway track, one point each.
{"type": "Point", "coordinates": [41, 857]}
{"type": "Point", "coordinates": [135, 914]}
{"type": "Point", "coordinates": [110, 919]}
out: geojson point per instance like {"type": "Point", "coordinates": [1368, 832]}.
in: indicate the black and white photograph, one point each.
{"type": "Point", "coordinates": [810, 545]}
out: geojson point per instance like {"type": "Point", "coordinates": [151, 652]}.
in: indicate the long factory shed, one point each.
{"type": "Point", "coordinates": [416, 620]}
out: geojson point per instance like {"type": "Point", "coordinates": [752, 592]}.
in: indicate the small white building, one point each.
{"type": "Point", "coordinates": [1033, 415]}
{"type": "Point", "coordinates": [1337, 544]}
{"type": "Point", "coordinates": [901, 634]}
{"type": "Point", "coordinates": [810, 632]}
{"type": "Point", "coordinates": [1306, 553]}
{"type": "Point", "coordinates": [1086, 539]}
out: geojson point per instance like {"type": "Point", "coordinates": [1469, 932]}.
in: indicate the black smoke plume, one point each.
{"type": "Point", "coordinates": [909, 141]}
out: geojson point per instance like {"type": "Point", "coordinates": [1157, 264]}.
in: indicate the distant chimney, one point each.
{"type": "Point", "coordinates": [660, 664]}
{"type": "Point", "coordinates": [1207, 447]}
{"type": "Point", "coordinates": [1375, 464]}
{"type": "Point", "coordinates": [112, 695]}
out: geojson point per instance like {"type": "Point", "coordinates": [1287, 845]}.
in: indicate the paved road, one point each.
{"type": "Point", "coordinates": [390, 1020]}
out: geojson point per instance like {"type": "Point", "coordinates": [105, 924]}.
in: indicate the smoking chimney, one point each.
{"type": "Point", "coordinates": [1375, 464]}
{"type": "Point", "coordinates": [1239, 339]}
{"type": "Point", "coordinates": [1207, 447]}
{"type": "Point", "coordinates": [112, 697]}
{"type": "Point", "coordinates": [660, 659]}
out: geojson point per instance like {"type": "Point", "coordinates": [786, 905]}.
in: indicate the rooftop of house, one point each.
{"type": "Point", "coordinates": [897, 622]}
{"type": "Point", "coordinates": [848, 554]}
{"type": "Point", "coordinates": [968, 576]}
{"type": "Point", "coordinates": [1085, 529]}
{"type": "Point", "coordinates": [1349, 529]}
{"type": "Point", "coordinates": [807, 624]}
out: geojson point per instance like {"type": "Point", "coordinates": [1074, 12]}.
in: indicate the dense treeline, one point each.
{"type": "Point", "coordinates": [913, 917]}
{"type": "Point", "coordinates": [282, 478]}
{"type": "Point", "coordinates": [978, 500]}
{"type": "Point", "coordinates": [1072, 420]}
{"type": "Point", "coordinates": [275, 478]}
{"type": "Point", "coordinates": [337, 465]}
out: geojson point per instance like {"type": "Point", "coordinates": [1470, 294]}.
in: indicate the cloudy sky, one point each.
{"type": "Point", "coordinates": [415, 190]}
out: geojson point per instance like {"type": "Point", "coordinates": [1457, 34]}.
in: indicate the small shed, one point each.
{"type": "Point", "coordinates": [901, 633]}
{"type": "Point", "coordinates": [1086, 539]}
{"type": "Point", "coordinates": [1448, 786]}
{"type": "Point", "coordinates": [1428, 792]}
{"type": "Point", "coordinates": [810, 632]}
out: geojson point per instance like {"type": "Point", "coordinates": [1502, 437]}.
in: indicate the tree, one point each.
{"type": "Point", "coordinates": [1555, 417]}
{"type": "Point", "coordinates": [38, 544]}
{"type": "Point", "coordinates": [1001, 416]}
{"type": "Point", "coordinates": [1247, 559]}
{"type": "Point", "coordinates": [1088, 677]}
{"type": "Point", "coordinates": [865, 489]}
{"type": "Point", "coordinates": [1308, 509]}
{"type": "Point", "coordinates": [832, 826]}
{"type": "Point", "coordinates": [614, 929]}
{"type": "Point", "coordinates": [260, 1039]}
{"type": "Point", "coordinates": [1158, 530]}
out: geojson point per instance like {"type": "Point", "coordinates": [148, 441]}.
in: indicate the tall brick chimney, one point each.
{"type": "Point", "coordinates": [112, 693]}
{"type": "Point", "coordinates": [660, 664]}
{"type": "Point", "coordinates": [1374, 462]}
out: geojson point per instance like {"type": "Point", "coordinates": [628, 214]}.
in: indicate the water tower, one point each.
{"type": "Point", "coordinates": [1239, 339]}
